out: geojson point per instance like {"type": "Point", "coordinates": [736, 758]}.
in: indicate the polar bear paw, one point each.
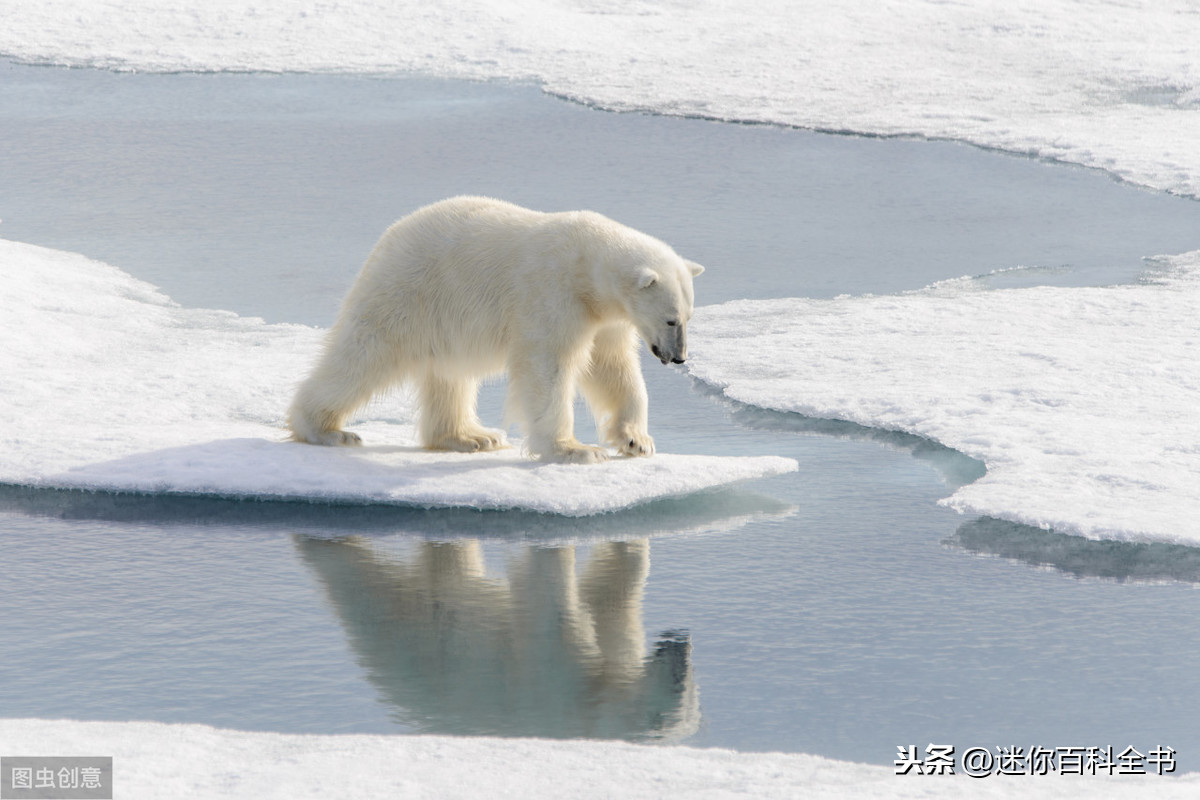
{"type": "Point", "coordinates": [333, 439]}
{"type": "Point", "coordinates": [578, 454]}
{"type": "Point", "coordinates": [636, 444]}
{"type": "Point", "coordinates": [476, 440]}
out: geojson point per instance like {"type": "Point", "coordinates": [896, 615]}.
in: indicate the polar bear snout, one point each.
{"type": "Point", "coordinates": [673, 358]}
{"type": "Point", "coordinates": [673, 348]}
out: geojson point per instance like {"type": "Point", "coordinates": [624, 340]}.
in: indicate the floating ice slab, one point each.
{"type": "Point", "coordinates": [107, 384]}
{"type": "Point", "coordinates": [1108, 85]}
{"type": "Point", "coordinates": [1084, 403]}
{"type": "Point", "coordinates": [153, 760]}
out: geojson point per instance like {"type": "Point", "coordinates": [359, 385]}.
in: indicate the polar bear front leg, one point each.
{"type": "Point", "coordinates": [542, 391]}
{"type": "Point", "coordinates": [616, 391]}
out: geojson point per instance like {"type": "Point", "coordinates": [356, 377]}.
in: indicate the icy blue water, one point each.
{"type": "Point", "coordinates": [836, 611]}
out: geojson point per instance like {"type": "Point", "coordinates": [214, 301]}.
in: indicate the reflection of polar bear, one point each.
{"type": "Point", "coordinates": [544, 651]}
{"type": "Point", "coordinates": [470, 287]}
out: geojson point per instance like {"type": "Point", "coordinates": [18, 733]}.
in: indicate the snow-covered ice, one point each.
{"type": "Point", "coordinates": [1109, 85]}
{"type": "Point", "coordinates": [154, 760]}
{"type": "Point", "coordinates": [107, 384]}
{"type": "Point", "coordinates": [1081, 402]}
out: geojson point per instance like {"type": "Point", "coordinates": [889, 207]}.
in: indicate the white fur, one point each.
{"type": "Point", "coordinates": [471, 287]}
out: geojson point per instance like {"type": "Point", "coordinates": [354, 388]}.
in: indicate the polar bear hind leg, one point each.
{"type": "Point", "coordinates": [448, 418]}
{"type": "Point", "coordinates": [319, 411]}
{"type": "Point", "coordinates": [351, 370]}
{"type": "Point", "coordinates": [541, 395]}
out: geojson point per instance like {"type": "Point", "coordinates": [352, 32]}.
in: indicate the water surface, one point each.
{"type": "Point", "coordinates": [837, 611]}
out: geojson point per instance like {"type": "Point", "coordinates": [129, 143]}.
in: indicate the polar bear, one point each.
{"type": "Point", "coordinates": [471, 287]}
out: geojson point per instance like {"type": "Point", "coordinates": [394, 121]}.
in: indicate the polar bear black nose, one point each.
{"type": "Point", "coordinates": [678, 360]}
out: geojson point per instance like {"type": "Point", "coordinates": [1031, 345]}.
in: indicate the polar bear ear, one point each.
{"type": "Point", "coordinates": [693, 267]}
{"type": "Point", "coordinates": [647, 278]}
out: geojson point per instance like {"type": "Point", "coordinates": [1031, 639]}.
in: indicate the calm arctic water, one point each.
{"type": "Point", "coordinates": [836, 611]}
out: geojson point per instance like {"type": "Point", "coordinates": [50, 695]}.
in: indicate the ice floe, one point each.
{"type": "Point", "coordinates": [1083, 403]}
{"type": "Point", "coordinates": [1113, 86]}
{"type": "Point", "coordinates": [107, 384]}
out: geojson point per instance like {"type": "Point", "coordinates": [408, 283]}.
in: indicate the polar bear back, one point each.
{"type": "Point", "coordinates": [458, 281]}
{"type": "Point", "coordinates": [442, 282]}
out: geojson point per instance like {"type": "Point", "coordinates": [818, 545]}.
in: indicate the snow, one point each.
{"type": "Point", "coordinates": [107, 384]}
{"type": "Point", "coordinates": [1081, 402]}
{"type": "Point", "coordinates": [152, 760]}
{"type": "Point", "coordinates": [1109, 85]}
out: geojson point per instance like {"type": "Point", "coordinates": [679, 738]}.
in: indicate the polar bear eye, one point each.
{"type": "Point", "coordinates": [672, 322]}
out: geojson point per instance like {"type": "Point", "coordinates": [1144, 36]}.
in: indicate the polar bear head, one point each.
{"type": "Point", "coordinates": [641, 277]}
{"type": "Point", "coordinates": [661, 304]}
